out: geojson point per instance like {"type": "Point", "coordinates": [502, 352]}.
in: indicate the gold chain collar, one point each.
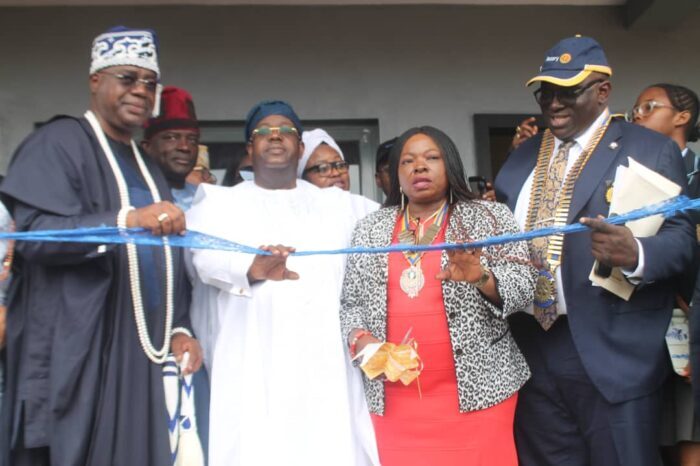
{"type": "Point", "coordinates": [554, 248]}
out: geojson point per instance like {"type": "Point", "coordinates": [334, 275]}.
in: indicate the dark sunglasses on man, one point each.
{"type": "Point", "coordinates": [565, 95]}
{"type": "Point", "coordinates": [129, 80]}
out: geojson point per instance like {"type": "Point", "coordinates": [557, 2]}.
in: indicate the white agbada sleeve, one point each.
{"type": "Point", "coordinates": [210, 214]}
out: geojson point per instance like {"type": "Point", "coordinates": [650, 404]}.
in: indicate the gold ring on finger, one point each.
{"type": "Point", "coordinates": [162, 217]}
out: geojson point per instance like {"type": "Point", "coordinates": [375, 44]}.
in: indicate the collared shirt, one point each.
{"type": "Point", "coordinates": [183, 197]}
{"type": "Point", "coordinates": [523, 202]}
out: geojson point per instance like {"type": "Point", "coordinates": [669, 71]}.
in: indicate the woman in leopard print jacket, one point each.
{"type": "Point", "coordinates": [456, 304]}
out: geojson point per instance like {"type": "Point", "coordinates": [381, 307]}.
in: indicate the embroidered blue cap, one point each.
{"type": "Point", "coordinates": [571, 61]}
{"type": "Point", "coordinates": [121, 46]}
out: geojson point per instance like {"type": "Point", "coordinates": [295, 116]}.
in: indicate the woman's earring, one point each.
{"type": "Point", "coordinates": [451, 200]}
{"type": "Point", "coordinates": [402, 204]}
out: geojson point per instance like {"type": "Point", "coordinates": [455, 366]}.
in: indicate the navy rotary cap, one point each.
{"type": "Point", "coordinates": [571, 61]}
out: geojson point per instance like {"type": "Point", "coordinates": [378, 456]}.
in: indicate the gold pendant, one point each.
{"type": "Point", "coordinates": [412, 281]}
{"type": "Point", "coordinates": [545, 289]}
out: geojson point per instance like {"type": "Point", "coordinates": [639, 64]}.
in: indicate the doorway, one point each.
{"type": "Point", "coordinates": [493, 134]}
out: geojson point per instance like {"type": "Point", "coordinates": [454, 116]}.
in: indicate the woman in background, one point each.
{"type": "Point", "coordinates": [672, 110]}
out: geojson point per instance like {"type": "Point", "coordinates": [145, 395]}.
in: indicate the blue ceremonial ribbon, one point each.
{"type": "Point", "coordinates": [197, 240]}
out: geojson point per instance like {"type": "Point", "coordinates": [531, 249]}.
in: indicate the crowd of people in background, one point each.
{"type": "Point", "coordinates": [161, 355]}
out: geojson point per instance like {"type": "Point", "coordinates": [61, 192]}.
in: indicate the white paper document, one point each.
{"type": "Point", "coordinates": [634, 187]}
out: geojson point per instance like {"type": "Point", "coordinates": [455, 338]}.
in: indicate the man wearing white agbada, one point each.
{"type": "Point", "coordinates": [283, 390]}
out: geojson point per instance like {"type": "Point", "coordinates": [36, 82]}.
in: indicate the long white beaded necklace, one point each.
{"type": "Point", "coordinates": [157, 356]}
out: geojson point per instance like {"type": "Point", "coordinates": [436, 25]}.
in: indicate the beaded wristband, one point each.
{"type": "Point", "coordinates": [355, 339]}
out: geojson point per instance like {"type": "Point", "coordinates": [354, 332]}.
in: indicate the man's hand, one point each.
{"type": "Point", "coordinates": [272, 267]}
{"type": "Point", "coordinates": [612, 245]}
{"type": "Point", "coordinates": [182, 343]}
{"type": "Point", "coordinates": [524, 131]}
{"type": "Point", "coordinates": [162, 218]}
{"type": "Point", "coordinates": [463, 265]}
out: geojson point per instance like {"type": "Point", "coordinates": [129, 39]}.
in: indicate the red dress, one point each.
{"type": "Point", "coordinates": [431, 430]}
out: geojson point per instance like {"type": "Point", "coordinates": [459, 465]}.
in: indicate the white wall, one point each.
{"type": "Point", "coordinates": [405, 66]}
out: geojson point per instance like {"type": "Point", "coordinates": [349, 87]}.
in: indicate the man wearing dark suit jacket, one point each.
{"type": "Point", "coordinates": [597, 361]}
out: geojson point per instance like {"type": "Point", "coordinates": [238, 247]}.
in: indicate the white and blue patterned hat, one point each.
{"type": "Point", "coordinates": [121, 46]}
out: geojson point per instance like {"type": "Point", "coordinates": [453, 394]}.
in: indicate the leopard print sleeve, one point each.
{"type": "Point", "coordinates": [510, 264]}
{"type": "Point", "coordinates": [351, 315]}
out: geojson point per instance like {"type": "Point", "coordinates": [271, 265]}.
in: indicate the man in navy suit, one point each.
{"type": "Point", "coordinates": [597, 361]}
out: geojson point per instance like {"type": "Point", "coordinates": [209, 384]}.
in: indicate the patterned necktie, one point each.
{"type": "Point", "coordinates": [545, 217]}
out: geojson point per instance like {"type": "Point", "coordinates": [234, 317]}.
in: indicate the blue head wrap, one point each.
{"type": "Point", "coordinates": [266, 108]}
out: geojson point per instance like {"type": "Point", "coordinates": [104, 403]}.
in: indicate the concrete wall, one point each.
{"type": "Point", "coordinates": [404, 66]}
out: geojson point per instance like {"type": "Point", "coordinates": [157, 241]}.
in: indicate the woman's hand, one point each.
{"type": "Point", "coordinates": [361, 342]}
{"type": "Point", "coordinates": [464, 265]}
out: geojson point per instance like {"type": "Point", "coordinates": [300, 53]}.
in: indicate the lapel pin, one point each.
{"type": "Point", "coordinates": [608, 191]}
{"type": "Point", "coordinates": [613, 145]}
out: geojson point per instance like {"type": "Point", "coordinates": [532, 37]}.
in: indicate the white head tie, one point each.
{"type": "Point", "coordinates": [312, 139]}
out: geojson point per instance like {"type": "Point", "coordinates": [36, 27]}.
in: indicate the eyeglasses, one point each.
{"type": "Point", "coordinates": [324, 169]}
{"type": "Point", "coordinates": [207, 176]}
{"type": "Point", "coordinates": [645, 109]}
{"type": "Point", "coordinates": [190, 139]}
{"type": "Point", "coordinates": [566, 96]}
{"type": "Point", "coordinates": [129, 80]}
{"type": "Point", "coordinates": [284, 131]}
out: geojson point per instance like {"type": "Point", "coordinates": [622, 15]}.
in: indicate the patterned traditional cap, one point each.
{"type": "Point", "coordinates": [176, 112]}
{"type": "Point", "coordinates": [121, 46]}
{"type": "Point", "coordinates": [571, 61]}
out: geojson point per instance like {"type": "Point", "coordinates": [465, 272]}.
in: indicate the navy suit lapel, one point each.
{"type": "Point", "coordinates": [596, 168]}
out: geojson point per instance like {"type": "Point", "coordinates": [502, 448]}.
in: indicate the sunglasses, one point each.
{"type": "Point", "coordinates": [565, 95]}
{"type": "Point", "coordinates": [130, 81]}
{"type": "Point", "coordinates": [285, 131]}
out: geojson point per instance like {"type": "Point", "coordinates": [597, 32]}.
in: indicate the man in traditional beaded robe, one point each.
{"type": "Point", "coordinates": [80, 387]}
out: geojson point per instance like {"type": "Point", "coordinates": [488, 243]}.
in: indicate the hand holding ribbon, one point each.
{"type": "Point", "coordinates": [272, 266]}
{"type": "Point", "coordinates": [463, 265]}
{"type": "Point", "coordinates": [612, 245]}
